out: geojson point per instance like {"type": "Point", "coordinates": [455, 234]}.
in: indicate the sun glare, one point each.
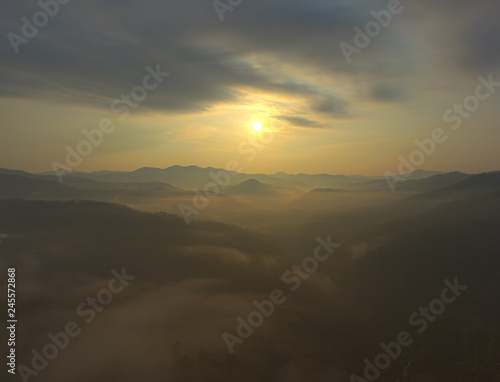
{"type": "Point", "coordinates": [257, 126]}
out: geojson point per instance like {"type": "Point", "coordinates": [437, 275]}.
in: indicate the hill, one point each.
{"type": "Point", "coordinates": [253, 187]}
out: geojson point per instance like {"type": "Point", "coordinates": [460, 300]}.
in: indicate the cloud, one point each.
{"type": "Point", "coordinates": [331, 105]}
{"type": "Point", "coordinates": [384, 92]}
{"type": "Point", "coordinates": [481, 48]}
{"type": "Point", "coordinates": [297, 121]}
{"type": "Point", "coordinates": [461, 34]}
{"type": "Point", "coordinates": [93, 53]}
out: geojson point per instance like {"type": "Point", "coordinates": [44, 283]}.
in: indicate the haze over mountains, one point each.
{"type": "Point", "coordinates": [258, 201]}
{"type": "Point", "coordinates": [193, 281]}
{"type": "Point", "coordinates": [194, 176]}
{"type": "Point", "coordinates": [178, 179]}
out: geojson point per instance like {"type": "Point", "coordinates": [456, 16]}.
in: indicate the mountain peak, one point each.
{"type": "Point", "coordinates": [251, 186]}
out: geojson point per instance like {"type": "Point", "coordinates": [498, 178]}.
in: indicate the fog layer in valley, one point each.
{"type": "Point", "coordinates": [368, 259]}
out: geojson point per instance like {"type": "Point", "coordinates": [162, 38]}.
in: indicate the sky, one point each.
{"type": "Point", "coordinates": [282, 63]}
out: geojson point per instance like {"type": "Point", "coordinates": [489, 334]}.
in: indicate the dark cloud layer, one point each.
{"type": "Point", "coordinates": [93, 52]}
{"type": "Point", "coordinates": [298, 121]}
{"type": "Point", "coordinates": [384, 92]}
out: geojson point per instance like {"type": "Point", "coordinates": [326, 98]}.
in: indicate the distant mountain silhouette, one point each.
{"type": "Point", "coordinates": [324, 180]}
{"type": "Point", "coordinates": [177, 180]}
{"type": "Point", "coordinates": [24, 185]}
{"type": "Point", "coordinates": [473, 186]}
{"type": "Point", "coordinates": [487, 180]}
{"type": "Point", "coordinates": [252, 187]}
{"type": "Point", "coordinates": [433, 182]}
{"type": "Point", "coordinates": [19, 184]}
{"type": "Point", "coordinates": [179, 176]}
{"type": "Point", "coordinates": [418, 181]}
{"type": "Point", "coordinates": [188, 177]}
{"type": "Point", "coordinates": [421, 174]}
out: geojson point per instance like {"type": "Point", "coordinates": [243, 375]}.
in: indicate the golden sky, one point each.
{"type": "Point", "coordinates": [280, 63]}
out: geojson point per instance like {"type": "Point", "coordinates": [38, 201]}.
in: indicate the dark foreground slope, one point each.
{"type": "Point", "coordinates": [192, 282]}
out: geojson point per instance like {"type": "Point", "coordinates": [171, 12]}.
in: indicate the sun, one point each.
{"type": "Point", "coordinates": [257, 126]}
